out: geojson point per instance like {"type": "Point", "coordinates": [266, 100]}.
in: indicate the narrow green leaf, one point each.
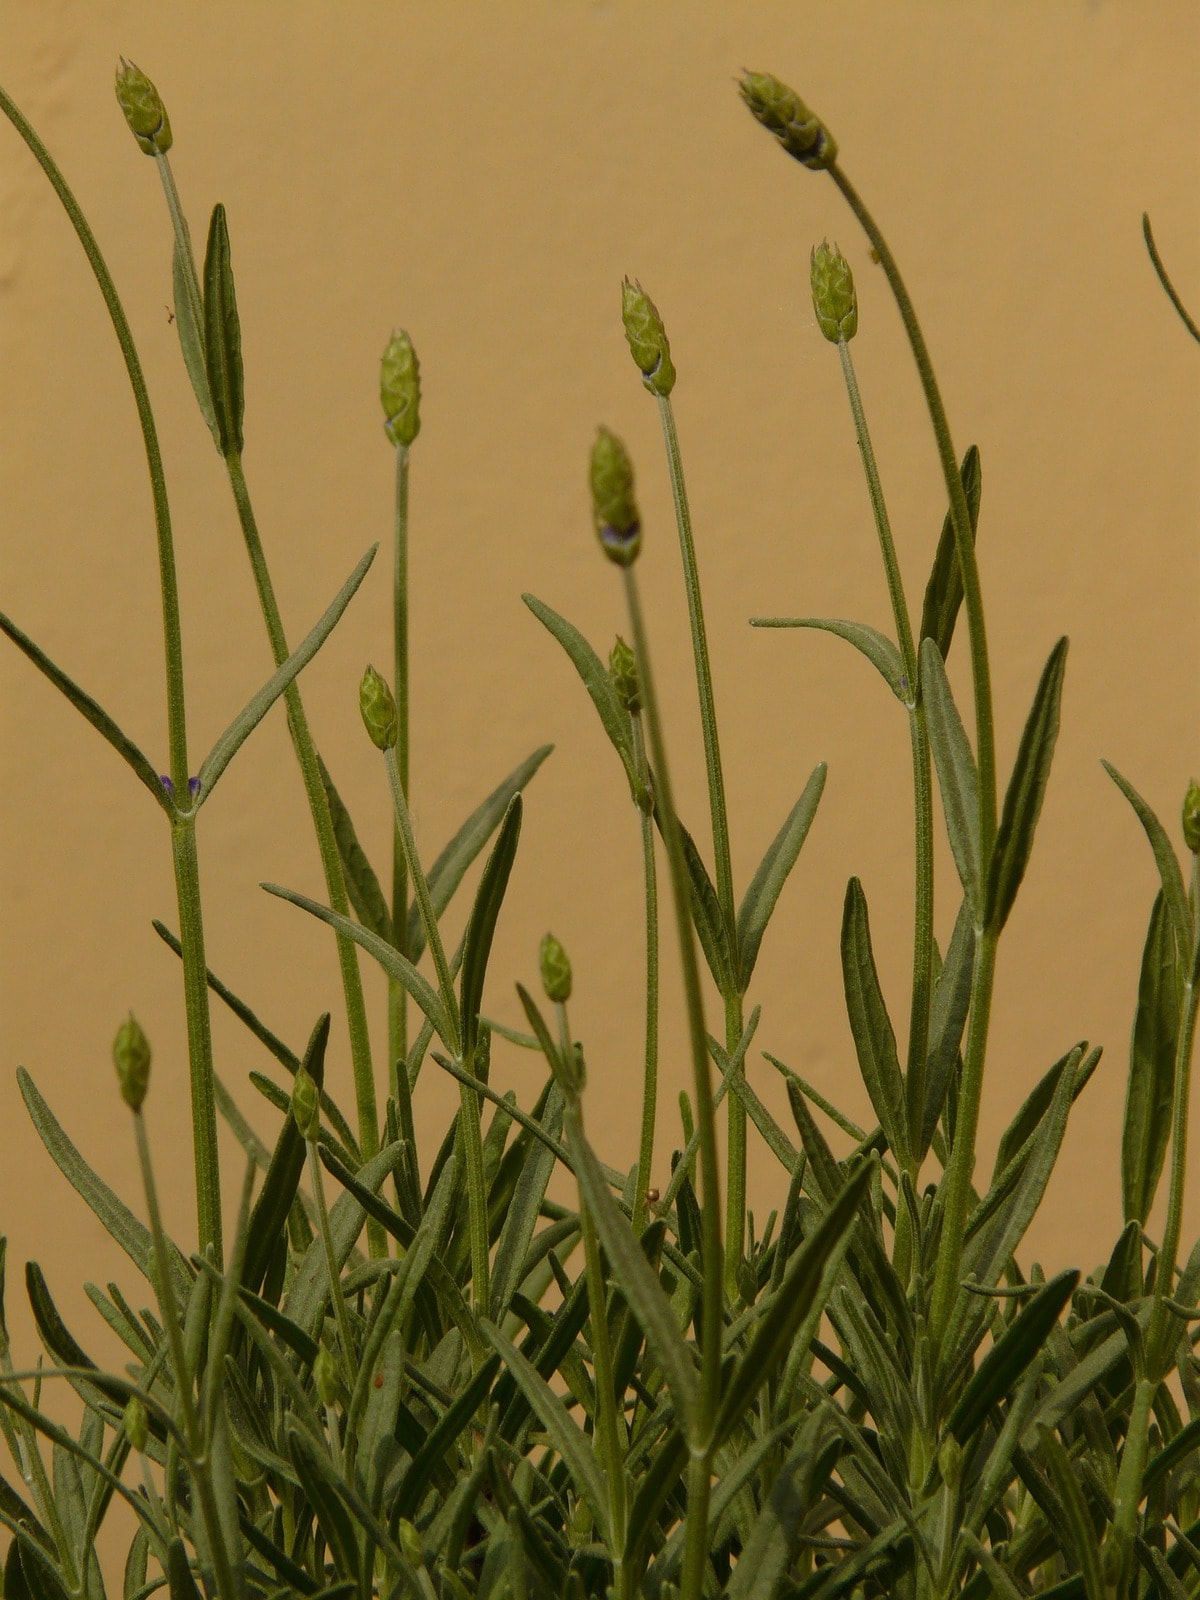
{"type": "Point", "coordinates": [637, 1280]}
{"type": "Point", "coordinates": [522, 1214]}
{"type": "Point", "coordinates": [222, 337]}
{"type": "Point", "coordinates": [362, 885]}
{"type": "Point", "coordinates": [1165, 859]}
{"type": "Point", "coordinates": [874, 1037]}
{"type": "Point", "coordinates": [1026, 791]}
{"type": "Point", "coordinates": [767, 1556]}
{"type": "Point", "coordinates": [877, 647]}
{"type": "Point", "coordinates": [997, 1575]}
{"type": "Point", "coordinates": [1008, 1358]}
{"type": "Point", "coordinates": [957, 777]}
{"type": "Point", "coordinates": [450, 1426]}
{"type": "Point", "coordinates": [1148, 1093]}
{"type": "Point", "coordinates": [761, 897]}
{"type": "Point", "coordinates": [947, 1018]}
{"type": "Point", "coordinates": [944, 591]}
{"type": "Point", "coordinates": [806, 1287]}
{"type": "Point", "coordinates": [377, 1447]}
{"type": "Point", "coordinates": [482, 926]}
{"type": "Point", "coordinates": [451, 865]}
{"type": "Point", "coordinates": [191, 342]}
{"type": "Point", "coordinates": [1080, 1531]}
{"type": "Point", "coordinates": [132, 1235]}
{"type": "Point", "coordinates": [573, 1445]}
{"type": "Point", "coordinates": [31, 1572]}
{"type": "Point", "coordinates": [1022, 1127]}
{"type": "Point", "coordinates": [335, 1521]}
{"type": "Point", "coordinates": [243, 725]}
{"type": "Point", "coordinates": [389, 959]}
{"type": "Point", "coordinates": [706, 914]}
{"type": "Point", "coordinates": [268, 1220]}
{"type": "Point", "coordinates": [594, 675]}
{"type": "Point", "coordinates": [91, 711]}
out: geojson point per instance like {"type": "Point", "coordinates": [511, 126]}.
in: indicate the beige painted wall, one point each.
{"type": "Point", "coordinates": [484, 176]}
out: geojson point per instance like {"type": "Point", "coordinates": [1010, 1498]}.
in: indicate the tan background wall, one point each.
{"type": "Point", "coordinates": [484, 175]}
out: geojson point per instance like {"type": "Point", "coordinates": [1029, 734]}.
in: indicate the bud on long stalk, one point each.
{"type": "Point", "coordinates": [378, 708]}
{"type": "Point", "coordinates": [782, 112]}
{"type": "Point", "coordinates": [613, 506]}
{"type": "Point", "coordinates": [622, 669]}
{"type": "Point", "coordinates": [647, 339]}
{"type": "Point", "coordinates": [400, 390]}
{"type": "Point", "coordinates": [834, 299]}
{"type": "Point", "coordinates": [143, 108]}
{"type": "Point", "coordinates": [131, 1057]}
{"type": "Point", "coordinates": [556, 970]}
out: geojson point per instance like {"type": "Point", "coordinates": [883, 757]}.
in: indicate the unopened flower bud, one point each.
{"type": "Point", "coordinates": [782, 112]}
{"type": "Point", "coordinates": [647, 339]}
{"type": "Point", "coordinates": [834, 299]}
{"type": "Point", "coordinates": [131, 1057]}
{"type": "Point", "coordinates": [410, 1544]}
{"type": "Point", "coordinates": [613, 505]}
{"type": "Point", "coordinates": [1191, 817]}
{"type": "Point", "coordinates": [622, 669]}
{"type": "Point", "coordinates": [143, 108]}
{"type": "Point", "coordinates": [950, 1462]}
{"type": "Point", "coordinates": [400, 389]}
{"type": "Point", "coordinates": [556, 970]}
{"type": "Point", "coordinates": [325, 1375]}
{"type": "Point", "coordinates": [306, 1104]}
{"type": "Point", "coordinates": [378, 707]}
{"type": "Point", "coordinates": [137, 1427]}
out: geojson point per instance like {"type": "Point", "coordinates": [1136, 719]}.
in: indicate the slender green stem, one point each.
{"type": "Point", "coordinates": [735, 1199]}
{"type": "Point", "coordinates": [429, 922]}
{"type": "Point", "coordinates": [397, 993]}
{"type": "Point", "coordinates": [199, 1036]}
{"type": "Point", "coordinates": [340, 1312]}
{"type": "Point", "coordinates": [960, 517]}
{"type": "Point", "coordinates": [650, 1067]}
{"type": "Point", "coordinates": [335, 882]}
{"type": "Point", "coordinates": [200, 1066]}
{"type": "Point", "coordinates": [183, 241]}
{"type": "Point", "coordinates": [701, 1423]}
{"type": "Point", "coordinates": [922, 984]}
{"type": "Point", "coordinates": [609, 1427]}
{"type": "Point", "coordinates": [227, 1581]}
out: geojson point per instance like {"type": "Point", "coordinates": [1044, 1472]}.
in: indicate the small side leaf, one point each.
{"type": "Point", "coordinates": [957, 777]}
{"type": "Point", "coordinates": [1147, 1127]}
{"type": "Point", "coordinates": [874, 1037]}
{"type": "Point", "coordinates": [761, 897]}
{"type": "Point", "coordinates": [706, 914]}
{"type": "Point", "coordinates": [361, 883]}
{"type": "Point", "coordinates": [947, 1018]}
{"type": "Point", "coordinates": [594, 675]}
{"type": "Point", "coordinates": [877, 647]}
{"type": "Point", "coordinates": [944, 591]}
{"type": "Point", "coordinates": [222, 337]}
{"type": "Point", "coordinates": [482, 926]}
{"type": "Point", "coordinates": [191, 342]}
{"type": "Point", "coordinates": [243, 725]}
{"type": "Point", "coordinates": [1008, 1358]}
{"type": "Point", "coordinates": [1165, 859]}
{"type": "Point", "coordinates": [1026, 791]}
{"type": "Point", "coordinates": [91, 711]}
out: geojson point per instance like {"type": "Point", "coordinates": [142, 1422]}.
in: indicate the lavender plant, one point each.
{"type": "Point", "coordinates": [501, 1396]}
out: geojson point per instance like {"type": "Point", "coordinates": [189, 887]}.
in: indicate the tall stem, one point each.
{"type": "Point", "coordinates": [700, 1425]}
{"type": "Point", "coordinates": [735, 1199]}
{"type": "Point", "coordinates": [397, 994]}
{"type": "Point", "coordinates": [650, 1059]}
{"type": "Point", "coordinates": [335, 882]}
{"type": "Point", "coordinates": [922, 983]}
{"type": "Point", "coordinates": [187, 884]}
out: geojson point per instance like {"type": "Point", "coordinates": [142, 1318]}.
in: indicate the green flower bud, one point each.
{"type": "Point", "coordinates": [834, 299]}
{"type": "Point", "coordinates": [400, 389]}
{"type": "Point", "coordinates": [622, 669]}
{"type": "Point", "coordinates": [306, 1104]}
{"type": "Point", "coordinates": [131, 1057]}
{"type": "Point", "coordinates": [1191, 817]}
{"type": "Point", "coordinates": [410, 1544]}
{"type": "Point", "coordinates": [325, 1374]}
{"type": "Point", "coordinates": [137, 1427]}
{"type": "Point", "coordinates": [144, 110]}
{"type": "Point", "coordinates": [378, 707]}
{"type": "Point", "coordinates": [647, 339]}
{"type": "Point", "coordinates": [556, 970]}
{"type": "Point", "coordinates": [782, 112]}
{"type": "Point", "coordinates": [613, 505]}
{"type": "Point", "coordinates": [950, 1462]}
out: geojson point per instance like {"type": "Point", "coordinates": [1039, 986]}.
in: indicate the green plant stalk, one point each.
{"type": "Point", "coordinates": [1159, 1342]}
{"type": "Point", "coordinates": [335, 882]}
{"type": "Point", "coordinates": [700, 1425]}
{"type": "Point", "coordinates": [735, 1198]}
{"type": "Point", "coordinates": [397, 993]}
{"type": "Point", "coordinates": [960, 518]}
{"type": "Point", "coordinates": [187, 885]}
{"type": "Point", "coordinates": [922, 982]}
{"type": "Point", "coordinates": [609, 1430]}
{"type": "Point", "coordinates": [340, 1312]}
{"type": "Point", "coordinates": [650, 1067]}
{"type": "Point", "coordinates": [469, 1098]}
{"type": "Point", "coordinates": [197, 1448]}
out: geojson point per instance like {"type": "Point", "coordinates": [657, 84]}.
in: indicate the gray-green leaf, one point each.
{"type": "Point", "coordinates": [191, 342]}
{"type": "Point", "coordinates": [762, 895]}
{"type": "Point", "coordinates": [944, 592]}
{"type": "Point", "coordinates": [877, 647]}
{"type": "Point", "coordinates": [957, 777]}
{"type": "Point", "coordinates": [874, 1037]}
{"type": "Point", "coordinates": [223, 337]}
{"type": "Point", "coordinates": [1148, 1093]}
